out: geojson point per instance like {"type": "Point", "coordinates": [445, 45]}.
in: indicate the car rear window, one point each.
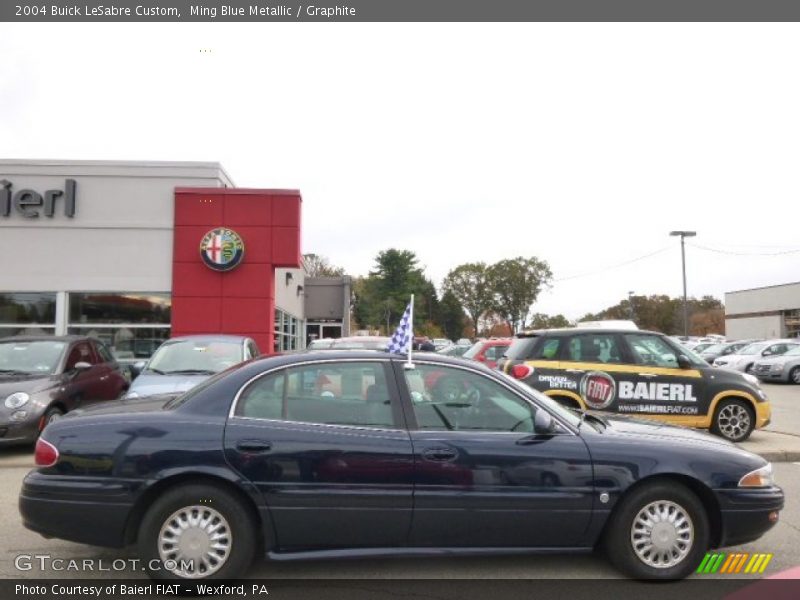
{"type": "Point", "coordinates": [521, 348]}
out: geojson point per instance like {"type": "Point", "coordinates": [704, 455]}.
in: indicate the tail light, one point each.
{"type": "Point", "coordinates": [46, 455]}
{"type": "Point", "coordinates": [521, 371]}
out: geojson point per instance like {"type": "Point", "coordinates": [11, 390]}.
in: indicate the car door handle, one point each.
{"type": "Point", "coordinates": [253, 446]}
{"type": "Point", "coordinates": [439, 454]}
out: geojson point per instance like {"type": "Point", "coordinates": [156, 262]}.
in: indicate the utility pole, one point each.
{"type": "Point", "coordinates": [683, 235]}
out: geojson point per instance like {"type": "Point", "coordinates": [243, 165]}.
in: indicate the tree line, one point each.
{"type": "Point", "coordinates": [480, 299]}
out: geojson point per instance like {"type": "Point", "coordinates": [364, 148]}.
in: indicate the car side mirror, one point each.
{"type": "Point", "coordinates": [683, 361]}
{"type": "Point", "coordinates": [136, 368]}
{"type": "Point", "coordinates": [766, 353]}
{"type": "Point", "coordinates": [543, 422]}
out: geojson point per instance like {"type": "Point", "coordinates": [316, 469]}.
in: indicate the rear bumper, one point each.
{"type": "Point", "coordinates": [79, 510]}
{"type": "Point", "coordinates": [746, 513]}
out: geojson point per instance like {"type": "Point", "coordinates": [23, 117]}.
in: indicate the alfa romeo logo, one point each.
{"type": "Point", "coordinates": [598, 389]}
{"type": "Point", "coordinates": [222, 249]}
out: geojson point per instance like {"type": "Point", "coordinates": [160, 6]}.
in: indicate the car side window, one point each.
{"type": "Point", "coordinates": [495, 352]}
{"type": "Point", "coordinates": [103, 352]}
{"type": "Point", "coordinates": [548, 350]}
{"type": "Point", "coordinates": [446, 398]}
{"type": "Point", "coordinates": [327, 393]}
{"type": "Point", "coordinates": [81, 352]}
{"type": "Point", "coordinates": [253, 349]}
{"type": "Point", "coordinates": [651, 350]}
{"type": "Point", "coordinates": [594, 348]}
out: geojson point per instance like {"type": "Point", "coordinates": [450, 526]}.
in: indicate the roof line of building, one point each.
{"type": "Point", "coordinates": [766, 287]}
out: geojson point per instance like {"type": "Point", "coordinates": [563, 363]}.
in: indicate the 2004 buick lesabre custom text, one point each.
{"type": "Point", "coordinates": [350, 453]}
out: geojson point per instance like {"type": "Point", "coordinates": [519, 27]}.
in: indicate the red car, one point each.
{"type": "Point", "coordinates": [488, 351]}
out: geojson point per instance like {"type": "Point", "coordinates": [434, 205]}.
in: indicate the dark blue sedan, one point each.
{"type": "Point", "coordinates": [353, 453]}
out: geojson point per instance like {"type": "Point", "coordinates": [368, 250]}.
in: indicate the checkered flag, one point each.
{"type": "Point", "coordinates": [401, 340]}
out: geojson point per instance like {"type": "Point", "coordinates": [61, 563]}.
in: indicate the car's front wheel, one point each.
{"type": "Point", "coordinates": [658, 531]}
{"type": "Point", "coordinates": [734, 420]}
{"type": "Point", "coordinates": [197, 532]}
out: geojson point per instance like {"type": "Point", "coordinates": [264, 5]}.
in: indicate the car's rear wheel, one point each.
{"type": "Point", "coordinates": [197, 532]}
{"type": "Point", "coordinates": [794, 375]}
{"type": "Point", "coordinates": [658, 531]}
{"type": "Point", "coordinates": [734, 420]}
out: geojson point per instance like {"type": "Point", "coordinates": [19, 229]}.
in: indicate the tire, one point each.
{"type": "Point", "coordinates": [53, 413]}
{"type": "Point", "coordinates": [626, 532]}
{"type": "Point", "coordinates": [227, 519]}
{"type": "Point", "coordinates": [734, 420]}
{"type": "Point", "coordinates": [794, 375]}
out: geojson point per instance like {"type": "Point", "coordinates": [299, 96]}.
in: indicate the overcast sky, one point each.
{"type": "Point", "coordinates": [580, 144]}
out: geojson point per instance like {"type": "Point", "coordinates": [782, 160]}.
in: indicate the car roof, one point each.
{"type": "Point", "coordinates": [209, 338]}
{"type": "Point", "coordinates": [564, 331]}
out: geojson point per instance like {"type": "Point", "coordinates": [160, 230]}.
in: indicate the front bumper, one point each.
{"type": "Point", "coordinates": [746, 513]}
{"type": "Point", "coordinates": [763, 414]}
{"type": "Point", "coordinates": [24, 432]}
{"type": "Point", "coordinates": [78, 509]}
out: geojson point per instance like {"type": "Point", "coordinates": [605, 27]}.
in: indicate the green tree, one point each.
{"type": "Point", "coordinates": [452, 316]}
{"type": "Point", "coordinates": [383, 295]}
{"type": "Point", "coordinates": [516, 284]}
{"type": "Point", "coordinates": [469, 284]}
{"type": "Point", "coordinates": [317, 265]}
{"type": "Point", "coordinates": [543, 321]}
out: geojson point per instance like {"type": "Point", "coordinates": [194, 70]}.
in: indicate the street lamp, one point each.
{"type": "Point", "coordinates": [630, 306]}
{"type": "Point", "coordinates": [684, 235]}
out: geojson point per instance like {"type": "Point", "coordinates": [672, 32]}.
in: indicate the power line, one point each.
{"type": "Point", "coordinates": [617, 266]}
{"type": "Point", "coordinates": [733, 253]}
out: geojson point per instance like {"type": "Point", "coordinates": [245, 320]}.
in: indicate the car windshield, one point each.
{"type": "Point", "coordinates": [39, 357]}
{"type": "Point", "coordinates": [196, 356]}
{"type": "Point", "coordinates": [473, 351]}
{"type": "Point", "coordinates": [714, 348]}
{"type": "Point", "coordinates": [751, 349]}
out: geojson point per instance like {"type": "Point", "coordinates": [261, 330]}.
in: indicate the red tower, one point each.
{"type": "Point", "coordinates": [241, 300]}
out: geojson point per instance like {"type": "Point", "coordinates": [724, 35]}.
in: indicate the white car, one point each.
{"type": "Point", "coordinates": [744, 359]}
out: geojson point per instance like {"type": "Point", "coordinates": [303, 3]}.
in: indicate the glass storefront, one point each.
{"type": "Point", "coordinates": [288, 329]}
{"type": "Point", "coordinates": [132, 325]}
{"type": "Point", "coordinates": [27, 313]}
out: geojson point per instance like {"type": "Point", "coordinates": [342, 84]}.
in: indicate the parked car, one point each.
{"type": "Point", "coordinates": [129, 352]}
{"type": "Point", "coordinates": [257, 459]}
{"type": "Point", "coordinates": [181, 363]}
{"type": "Point", "coordinates": [44, 377]}
{"type": "Point", "coordinates": [641, 373]}
{"type": "Point", "coordinates": [744, 358]}
{"type": "Point", "coordinates": [441, 343]}
{"type": "Point", "coordinates": [488, 351]}
{"type": "Point", "coordinates": [355, 342]}
{"type": "Point", "coordinates": [715, 351]}
{"type": "Point", "coordinates": [464, 342]}
{"type": "Point", "coordinates": [785, 367]}
{"type": "Point", "coordinates": [454, 350]}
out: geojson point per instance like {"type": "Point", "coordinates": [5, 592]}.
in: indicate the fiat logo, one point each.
{"type": "Point", "coordinates": [598, 389]}
{"type": "Point", "coordinates": [222, 249]}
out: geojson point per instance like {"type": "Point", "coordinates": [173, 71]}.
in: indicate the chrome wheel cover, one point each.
{"type": "Point", "coordinates": [662, 534]}
{"type": "Point", "coordinates": [733, 421]}
{"type": "Point", "coordinates": [796, 375]}
{"type": "Point", "coordinates": [194, 542]}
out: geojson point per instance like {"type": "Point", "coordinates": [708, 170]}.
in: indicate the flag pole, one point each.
{"type": "Point", "coordinates": [409, 364]}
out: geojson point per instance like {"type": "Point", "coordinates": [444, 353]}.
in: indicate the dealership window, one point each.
{"type": "Point", "coordinates": [132, 325]}
{"type": "Point", "coordinates": [27, 313]}
{"type": "Point", "coordinates": [288, 330]}
{"type": "Point", "coordinates": [792, 320]}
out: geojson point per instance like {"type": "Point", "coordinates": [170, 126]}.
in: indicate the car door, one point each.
{"type": "Point", "coordinates": [83, 386]}
{"type": "Point", "coordinates": [327, 446]}
{"type": "Point", "coordinates": [483, 478]}
{"type": "Point", "coordinates": [111, 380]}
{"type": "Point", "coordinates": [657, 385]}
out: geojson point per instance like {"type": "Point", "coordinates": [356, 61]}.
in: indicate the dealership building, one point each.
{"type": "Point", "coordinates": [136, 252]}
{"type": "Point", "coordinates": [764, 313]}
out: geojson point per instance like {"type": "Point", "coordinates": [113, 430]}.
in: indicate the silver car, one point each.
{"type": "Point", "coordinates": [181, 363]}
{"type": "Point", "coordinates": [785, 367]}
{"type": "Point", "coordinates": [745, 359]}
